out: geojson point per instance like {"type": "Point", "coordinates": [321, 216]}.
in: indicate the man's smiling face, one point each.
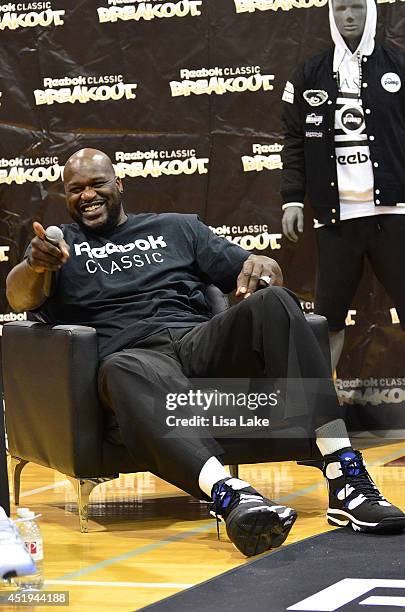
{"type": "Point", "coordinates": [93, 192]}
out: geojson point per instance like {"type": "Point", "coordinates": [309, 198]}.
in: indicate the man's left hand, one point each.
{"type": "Point", "coordinates": [253, 268]}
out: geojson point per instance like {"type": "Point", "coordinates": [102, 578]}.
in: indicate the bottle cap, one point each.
{"type": "Point", "coordinates": [25, 513]}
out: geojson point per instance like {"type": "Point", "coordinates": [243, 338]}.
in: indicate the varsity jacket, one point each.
{"type": "Point", "coordinates": [309, 161]}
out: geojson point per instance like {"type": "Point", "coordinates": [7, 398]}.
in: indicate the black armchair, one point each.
{"type": "Point", "coordinates": [4, 497]}
{"type": "Point", "coordinates": [54, 417]}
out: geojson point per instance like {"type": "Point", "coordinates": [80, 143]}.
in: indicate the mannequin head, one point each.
{"type": "Point", "coordinates": [350, 18]}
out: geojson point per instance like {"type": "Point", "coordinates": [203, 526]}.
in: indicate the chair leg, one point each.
{"type": "Point", "coordinates": [234, 470]}
{"type": "Point", "coordinates": [83, 488]}
{"type": "Point", "coordinates": [16, 467]}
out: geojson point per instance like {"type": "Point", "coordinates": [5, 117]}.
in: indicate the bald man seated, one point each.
{"type": "Point", "coordinates": [140, 281]}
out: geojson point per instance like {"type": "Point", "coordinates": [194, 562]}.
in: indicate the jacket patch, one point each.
{"type": "Point", "coordinates": [315, 97]}
{"type": "Point", "coordinates": [352, 120]}
{"type": "Point", "coordinates": [314, 119]}
{"type": "Point", "coordinates": [313, 134]}
{"type": "Point", "coordinates": [391, 81]}
{"type": "Point", "coordinates": [288, 95]}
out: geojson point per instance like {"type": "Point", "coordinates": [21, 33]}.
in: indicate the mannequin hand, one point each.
{"type": "Point", "coordinates": [293, 215]}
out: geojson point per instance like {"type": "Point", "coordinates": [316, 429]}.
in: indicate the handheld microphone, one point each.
{"type": "Point", "coordinates": [54, 235]}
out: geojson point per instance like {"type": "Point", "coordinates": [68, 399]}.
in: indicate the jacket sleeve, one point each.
{"type": "Point", "coordinates": [293, 175]}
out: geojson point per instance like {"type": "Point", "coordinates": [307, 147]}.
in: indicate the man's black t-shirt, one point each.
{"type": "Point", "coordinates": [147, 274]}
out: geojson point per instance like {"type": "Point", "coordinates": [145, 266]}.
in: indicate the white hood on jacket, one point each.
{"type": "Point", "coordinates": [366, 46]}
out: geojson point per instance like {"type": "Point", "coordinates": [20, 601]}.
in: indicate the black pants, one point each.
{"type": "Point", "coordinates": [265, 335]}
{"type": "Point", "coordinates": [341, 254]}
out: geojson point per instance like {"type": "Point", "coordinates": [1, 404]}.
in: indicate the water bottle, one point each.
{"type": "Point", "coordinates": [32, 538]}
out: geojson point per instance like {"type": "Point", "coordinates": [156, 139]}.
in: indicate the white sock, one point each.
{"type": "Point", "coordinates": [212, 471]}
{"type": "Point", "coordinates": [332, 437]}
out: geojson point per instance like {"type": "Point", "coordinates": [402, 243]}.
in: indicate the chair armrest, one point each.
{"type": "Point", "coordinates": [53, 414]}
{"type": "Point", "coordinates": [319, 326]}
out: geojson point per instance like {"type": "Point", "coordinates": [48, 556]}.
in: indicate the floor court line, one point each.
{"type": "Point", "coordinates": [44, 488]}
{"type": "Point", "coordinates": [169, 540]}
{"type": "Point", "coordinates": [175, 538]}
{"type": "Point", "coordinates": [391, 457]}
{"type": "Point", "coordinates": [138, 551]}
{"type": "Point", "coordinates": [63, 482]}
{"type": "Point", "coordinates": [304, 491]}
{"type": "Point", "coordinates": [134, 585]}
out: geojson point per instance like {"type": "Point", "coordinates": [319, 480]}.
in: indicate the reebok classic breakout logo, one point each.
{"type": "Point", "coordinates": [30, 170]}
{"type": "Point", "coordinates": [85, 89]}
{"type": "Point", "coordinates": [221, 80]}
{"type": "Point", "coordinates": [11, 316]}
{"type": "Point", "coordinates": [4, 253]}
{"type": "Point", "coordinates": [308, 308]}
{"type": "Point", "coordinates": [265, 157]}
{"type": "Point", "coordinates": [156, 163]}
{"type": "Point", "coordinates": [136, 10]}
{"type": "Point", "coordinates": [16, 15]}
{"type": "Point", "coordinates": [250, 6]}
{"type": "Point", "coordinates": [373, 391]}
{"type": "Point", "coordinates": [249, 237]}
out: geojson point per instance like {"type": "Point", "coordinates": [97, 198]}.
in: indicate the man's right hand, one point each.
{"type": "Point", "coordinates": [45, 256]}
{"type": "Point", "coordinates": [293, 215]}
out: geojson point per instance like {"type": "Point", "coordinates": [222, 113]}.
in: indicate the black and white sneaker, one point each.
{"type": "Point", "coordinates": [253, 523]}
{"type": "Point", "coordinates": [354, 498]}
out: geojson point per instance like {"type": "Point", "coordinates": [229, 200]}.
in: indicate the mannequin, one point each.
{"type": "Point", "coordinates": [350, 161]}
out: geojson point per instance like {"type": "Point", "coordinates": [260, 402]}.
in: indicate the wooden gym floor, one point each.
{"type": "Point", "coordinates": [148, 540]}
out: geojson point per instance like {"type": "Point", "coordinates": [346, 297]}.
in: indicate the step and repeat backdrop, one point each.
{"type": "Point", "coordinates": [185, 96]}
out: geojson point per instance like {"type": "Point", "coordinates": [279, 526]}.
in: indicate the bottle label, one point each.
{"type": "Point", "coordinates": [35, 549]}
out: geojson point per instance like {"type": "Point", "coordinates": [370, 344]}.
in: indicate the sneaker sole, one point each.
{"type": "Point", "coordinates": [258, 530]}
{"type": "Point", "coordinates": [387, 525]}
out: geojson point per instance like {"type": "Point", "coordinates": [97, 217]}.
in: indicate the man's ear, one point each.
{"type": "Point", "coordinates": [119, 184]}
